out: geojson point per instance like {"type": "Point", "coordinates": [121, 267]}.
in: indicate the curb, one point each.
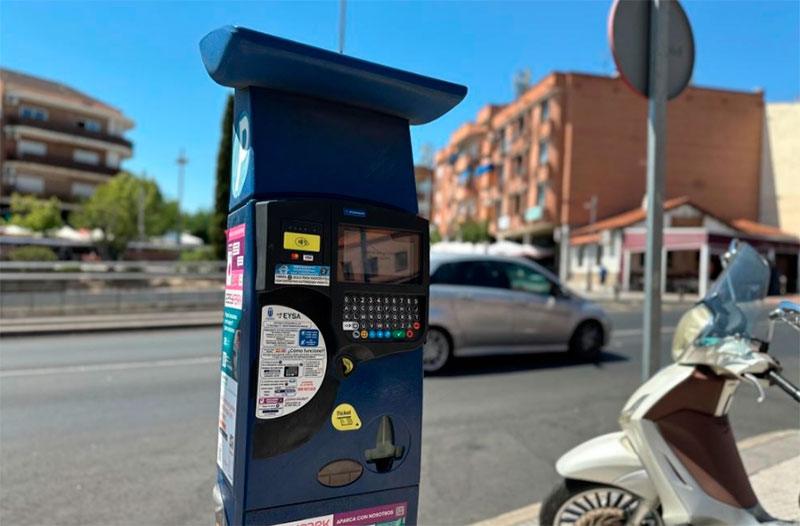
{"type": "Point", "coordinates": [529, 515]}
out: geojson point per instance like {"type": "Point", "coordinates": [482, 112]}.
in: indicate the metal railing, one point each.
{"type": "Point", "coordinates": [74, 288]}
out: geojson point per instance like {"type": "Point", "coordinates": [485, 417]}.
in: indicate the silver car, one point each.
{"type": "Point", "coordinates": [482, 304]}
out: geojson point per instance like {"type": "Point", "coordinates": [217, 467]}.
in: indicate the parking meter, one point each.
{"type": "Point", "coordinates": [326, 291]}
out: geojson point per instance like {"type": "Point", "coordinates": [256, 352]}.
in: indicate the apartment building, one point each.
{"type": "Point", "coordinates": [423, 176]}
{"type": "Point", "coordinates": [574, 145]}
{"type": "Point", "coordinates": [56, 141]}
{"type": "Point", "coordinates": [780, 177]}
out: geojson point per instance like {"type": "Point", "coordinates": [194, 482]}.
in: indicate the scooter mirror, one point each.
{"type": "Point", "coordinates": [788, 312]}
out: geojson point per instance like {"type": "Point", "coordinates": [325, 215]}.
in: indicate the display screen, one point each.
{"type": "Point", "coordinates": [378, 255]}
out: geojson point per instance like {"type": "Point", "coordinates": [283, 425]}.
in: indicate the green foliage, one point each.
{"type": "Point", "coordinates": [435, 235]}
{"type": "Point", "coordinates": [32, 253]}
{"type": "Point", "coordinates": [114, 208]}
{"type": "Point", "coordinates": [198, 224]}
{"type": "Point", "coordinates": [199, 254]}
{"type": "Point", "coordinates": [474, 231]}
{"type": "Point", "coordinates": [36, 214]}
{"type": "Point", "coordinates": [222, 190]}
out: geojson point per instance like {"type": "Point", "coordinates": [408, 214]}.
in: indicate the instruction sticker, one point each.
{"type": "Point", "coordinates": [387, 515]}
{"type": "Point", "coordinates": [314, 275]}
{"type": "Point", "coordinates": [234, 270]}
{"type": "Point", "coordinates": [292, 362]}
{"type": "Point", "coordinates": [227, 425]}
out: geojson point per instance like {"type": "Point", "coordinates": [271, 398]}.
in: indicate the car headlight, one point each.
{"type": "Point", "coordinates": [691, 326]}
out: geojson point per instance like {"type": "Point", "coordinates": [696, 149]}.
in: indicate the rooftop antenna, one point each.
{"type": "Point", "coordinates": [522, 81]}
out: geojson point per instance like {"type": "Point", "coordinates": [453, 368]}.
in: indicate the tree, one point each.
{"type": "Point", "coordinates": [198, 224]}
{"type": "Point", "coordinates": [114, 209]}
{"type": "Point", "coordinates": [436, 236]}
{"type": "Point", "coordinates": [473, 231]}
{"type": "Point", "coordinates": [36, 214]}
{"type": "Point", "coordinates": [222, 190]}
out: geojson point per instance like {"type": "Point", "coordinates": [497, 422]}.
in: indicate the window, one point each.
{"type": "Point", "coordinates": [520, 126]}
{"type": "Point", "coordinates": [37, 114]}
{"type": "Point", "coordinates": [32, 148]}
{"type": "Point", "coordinates": [541, 194]}
{"type": "Point", "coordinates": [471, 273]}
{"type": "Point", "coordinates": [29, 185]}
{"type": "Point", "coordinates": [86, 157]}
{"type": "Point", "coordinates": [82, 189]}
{"type": "Point", "coordinates": [112, 161]}
{"type": "Point", "coordinates": [543, 151]}
{"type": "Point", "coordinates": [520, 163]}
{"type": "Point", "coordinates": [545, 111]}
{"type": "Point", "coordinates": [580, 255]}
{"type": "Point", "coordinates": [516, 203]}
{"type": "Point", "coordinates": [89, 125]}
{"type": "Point", "coordinates": [500, 171]}
{"type": "Point", "coordinates": [527, 279]}
{"type": "Point", "coordinates": [599, 254]}
{"type": "Point", "coordinates": [498, 209]}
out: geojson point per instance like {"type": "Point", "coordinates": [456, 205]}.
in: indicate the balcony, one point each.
{"type": "Point", "coordinates": [99, 169]}
{"type": "Point", "coordinates": [15, 120]}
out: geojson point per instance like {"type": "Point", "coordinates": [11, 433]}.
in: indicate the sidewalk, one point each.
{"type": "Point", "coordinates": [772, 460]}
{"type": "Point", "coordinates": [108, 322]}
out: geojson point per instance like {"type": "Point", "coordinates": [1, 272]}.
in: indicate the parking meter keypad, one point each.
{"type": "Point", "coordinates": [382, 316]}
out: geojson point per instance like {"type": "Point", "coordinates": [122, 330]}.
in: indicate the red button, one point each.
{"type": "Point", "coordinates": [409, 334]}
{"type": "Point", "coordinates": [416, 325]}
{"type": "Point", "coordinates": [295, 255]}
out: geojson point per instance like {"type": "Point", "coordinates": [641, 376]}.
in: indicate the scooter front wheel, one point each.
{"type": "Point", "coordinates": [577, 503]}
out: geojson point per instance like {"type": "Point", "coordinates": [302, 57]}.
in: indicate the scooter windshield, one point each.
{"type": "Point", "coordinates": [735, 299]}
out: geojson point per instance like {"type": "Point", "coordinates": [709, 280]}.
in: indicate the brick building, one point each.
{"type": "Point", "coordinates": [530, 168]}
{"type": "Point", "coordinates": [56, 141]}
{"type": "Point", "coordinates": [424, 179]}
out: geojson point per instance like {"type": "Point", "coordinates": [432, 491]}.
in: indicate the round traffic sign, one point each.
{"type": "Point", "coordinates": [629, 36]}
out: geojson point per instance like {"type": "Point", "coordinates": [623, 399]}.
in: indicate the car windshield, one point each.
{"type": "Point", "coordinates": [735, 298]}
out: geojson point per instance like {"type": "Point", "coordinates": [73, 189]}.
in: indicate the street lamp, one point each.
{"type": "Point", "coordinates": [182, 161]}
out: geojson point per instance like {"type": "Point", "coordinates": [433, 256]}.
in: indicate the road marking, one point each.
{"type": "Point", "coordinates": [120, 366]}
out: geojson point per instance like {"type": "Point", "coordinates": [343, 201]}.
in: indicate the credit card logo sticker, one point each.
{"type": "Point", "coordinates": [304, 242]}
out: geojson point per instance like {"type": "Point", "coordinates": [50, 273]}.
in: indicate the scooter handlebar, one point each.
{"type": "Point", "coordinates": [775, 378]}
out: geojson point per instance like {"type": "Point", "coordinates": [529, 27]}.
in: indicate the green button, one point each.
{"type": "Point", "coordinates": [398, 334]}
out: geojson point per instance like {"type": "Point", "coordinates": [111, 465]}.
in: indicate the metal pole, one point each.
{"type": "Point", "coordinates": [182, 161]}
{"type": "Point", "coordinates": [591, 205]}
{"type": "Point", "coordinates": [342, 18]}
{"type": "Point", "coordinates": [140, 215]}
{"type": "Point", "coordinates": [656, 142]}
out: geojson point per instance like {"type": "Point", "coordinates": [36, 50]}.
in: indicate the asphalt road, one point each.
{"type": "Point", "coordinates": [120, 428]}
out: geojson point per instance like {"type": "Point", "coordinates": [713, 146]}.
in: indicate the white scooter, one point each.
{"type": "Point", "coordinates": [675, 460]}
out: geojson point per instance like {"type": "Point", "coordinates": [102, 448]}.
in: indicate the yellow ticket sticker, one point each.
{"type": "Point", "coordinates": [304, 242]}
{"type": "Point", "coordinates": [345, 418]}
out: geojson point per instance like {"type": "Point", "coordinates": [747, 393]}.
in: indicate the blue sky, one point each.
{"type": "Point", "coordinates": [143, 58]}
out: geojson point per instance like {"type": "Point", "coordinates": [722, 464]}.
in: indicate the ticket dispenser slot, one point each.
{"type": "Point", "coordinates": [326, 295]}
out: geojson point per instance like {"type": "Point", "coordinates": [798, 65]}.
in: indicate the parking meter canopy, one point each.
{"type": "Point", "coordinates": [317, 123]}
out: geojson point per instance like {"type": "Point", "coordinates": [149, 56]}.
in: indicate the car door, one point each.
{"type": "Point", "coordinates": [481, 298]}
{"type": "Point", "coordinates": [540, 315]}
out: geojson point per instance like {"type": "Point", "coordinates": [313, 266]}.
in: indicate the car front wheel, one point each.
{"type": "Point", "coordinates": [586, 341]}
{"type": "Point", "coordinates": [436, 351]}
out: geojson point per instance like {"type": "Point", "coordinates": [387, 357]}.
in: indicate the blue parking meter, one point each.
{"type": "Point", "coordinates": [326, 290]}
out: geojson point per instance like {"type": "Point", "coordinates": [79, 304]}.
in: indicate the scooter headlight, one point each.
{"type": "Point", "coordinates": [691, 327]}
